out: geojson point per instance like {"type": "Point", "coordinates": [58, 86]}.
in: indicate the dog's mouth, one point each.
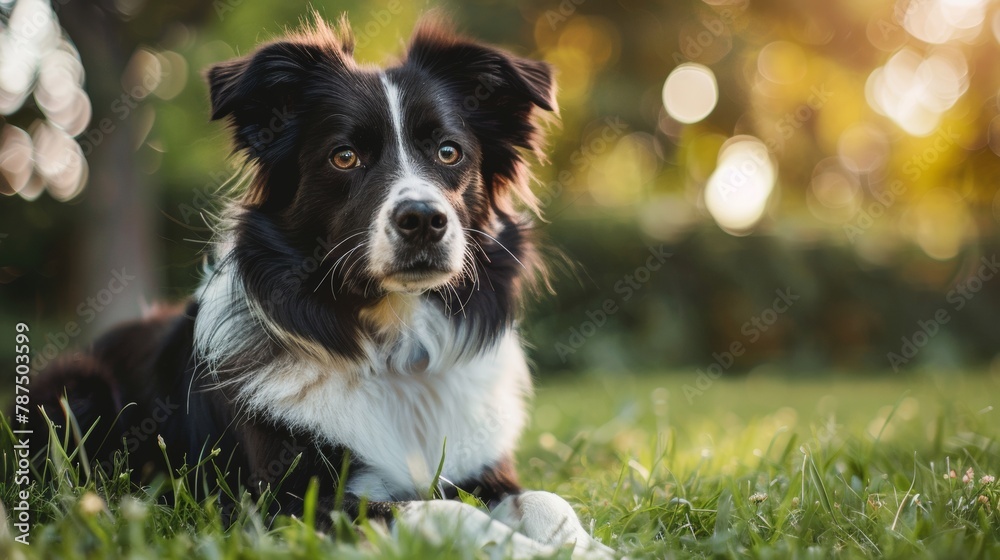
{"type": "Point", "coordinates": [417, 276]}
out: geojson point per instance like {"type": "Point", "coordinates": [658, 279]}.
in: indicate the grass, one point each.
{"type": "Point", "coordinates": [754, 467]}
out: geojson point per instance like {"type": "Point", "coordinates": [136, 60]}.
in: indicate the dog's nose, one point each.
{"type": "Point", "coordinates": [420, 220]}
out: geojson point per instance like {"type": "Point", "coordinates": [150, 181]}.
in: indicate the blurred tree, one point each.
{"type": "Point", "coordinates": [121, 199]}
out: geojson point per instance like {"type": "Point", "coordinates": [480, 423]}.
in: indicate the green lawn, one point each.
{"type": "Point", "coordinates": [758, 466]}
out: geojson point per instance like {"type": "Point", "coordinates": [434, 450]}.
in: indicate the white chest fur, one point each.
{"type": "Point", "coordinates": [398, 422]}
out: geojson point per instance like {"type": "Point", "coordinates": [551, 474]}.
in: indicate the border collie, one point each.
{"type": "Point", "coordinates": [359, 318]}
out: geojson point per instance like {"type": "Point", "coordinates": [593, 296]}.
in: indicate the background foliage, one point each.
{"type": "Point", "coordinates": [880, 124]}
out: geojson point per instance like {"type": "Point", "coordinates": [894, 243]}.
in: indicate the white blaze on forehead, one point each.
{"type": "Point", "coordinates": [394, 96]}
{"type": "Point", "coordinates": [409, 184]}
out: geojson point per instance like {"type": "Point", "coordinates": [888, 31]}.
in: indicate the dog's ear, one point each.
{"type": "Point", "coordinates": [487, 79]}
{"type": "Point", "coordinates": [498, 93]}
{"type": "Point", "coordinates": [492, 76]}
{"type": "Point", "coordinates": [261, 96]}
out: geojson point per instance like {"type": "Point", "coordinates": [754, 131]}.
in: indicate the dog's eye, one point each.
{"type": "Point", "coordinates": [345, 158]}
{"type": "Point", "coordinates": [449, 153]}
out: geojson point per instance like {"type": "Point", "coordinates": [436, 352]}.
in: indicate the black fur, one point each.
{"type": "Point", "coordinates": [289, 104]}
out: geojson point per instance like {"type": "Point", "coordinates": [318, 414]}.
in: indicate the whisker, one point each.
{"type": "Point", "coordinates": [459, 298]}
{"type": "Point", "coordinates": [345, 259]}
{"type": "Point", "coordinates": [470, 264]}
{"type": "Point", "coordinates": [347, 272]}
{"type": "Point", "coordinates": [342, 241]}
{"type": "Point", "coordinates": [497, 241]}
{"type": "Point", "coordinates": [486, 256]}
{"type": "Point", "coordinates": [331, 251]}
{"type": "Point", "coordinates": [486, 272]}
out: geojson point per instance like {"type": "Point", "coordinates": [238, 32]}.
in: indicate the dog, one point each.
{"type": "Point", "coordinates": [359, 315]}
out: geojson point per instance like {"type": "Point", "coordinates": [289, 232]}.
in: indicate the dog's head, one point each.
{"type": "Point", "coordinates": [404, 169]}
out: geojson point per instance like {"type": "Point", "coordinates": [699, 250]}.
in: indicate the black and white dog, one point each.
{"type": "Point", "coordinates": [361, 310]}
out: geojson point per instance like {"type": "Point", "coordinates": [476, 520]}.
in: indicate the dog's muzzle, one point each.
{"type": "Point", "coordinates": [417, 242]}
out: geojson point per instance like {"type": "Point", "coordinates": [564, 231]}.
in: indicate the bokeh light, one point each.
{"type": "Point", "coordinates": [585, 44]}
{"type": "Point", "coordinates": [690, 93]}
{"type": "Point", "coordinates": [738, 191]}
{"type": "Point", "coordinates": [143, 73]}
{"type": "Point", "coordinates": [915, 91]}
{"type": "Point", "coordinates": [993, 135]}
{"type": "Point", "coordinates": [940, 223]}
{"type": "Point", "coordinates": [863, 148]}
{"type": "Point", "coordinates": [940, 21]}
{"type": "Point", "coordinates": [782, 62]}
{"type": "Point", "coordinates": [174, 75]}
{"type": "Point", "coordinates": [37, 62]}
{"type": "Point", "coordinates": [31, 33]}
{"type": "Point", "coordinates": [59, 91]}
{"type": "Point", "coordinates": [834, 192]}
{"type": "Point", "coordinates": [15, 159]}
{"type": "Point", "coordinates": [619, 175]}
{"type": "Point", "coordinates": [58, 160]}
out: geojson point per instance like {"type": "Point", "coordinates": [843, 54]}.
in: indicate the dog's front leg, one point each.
{"type": "Point", "coordinates": [441, 521]}
{"type": "Point", "coordinates": [549, 519]}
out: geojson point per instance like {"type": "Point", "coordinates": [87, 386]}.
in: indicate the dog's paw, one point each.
{"type": "Point", "coordinates": [441, 521]}
{"type": "Point", "coordinates": [549, 519]}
